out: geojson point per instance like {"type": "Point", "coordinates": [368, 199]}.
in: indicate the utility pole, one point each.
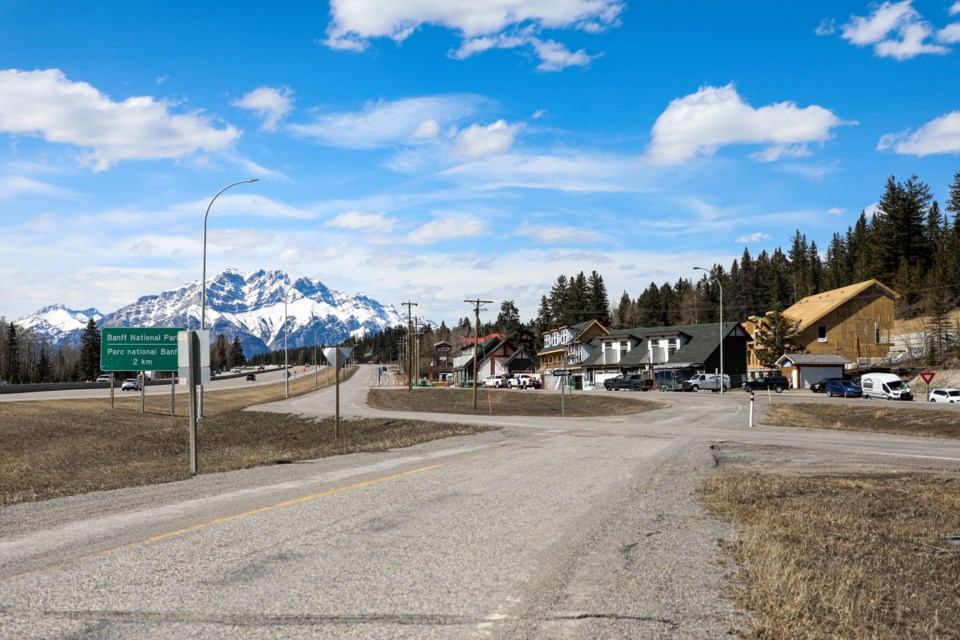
{"type": "Point", "coordinates": [476, 340]}
{"type": "Point", "coordinates": [409, 359]}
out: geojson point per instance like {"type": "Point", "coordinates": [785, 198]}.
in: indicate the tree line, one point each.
{"type": "Point", "coordinates": [27, 358]}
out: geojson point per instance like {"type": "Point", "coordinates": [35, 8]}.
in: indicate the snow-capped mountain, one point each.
{"type": "Point", "coordinates": [251, 307]}
{"type": "Point", "coordinates": [58, 323]}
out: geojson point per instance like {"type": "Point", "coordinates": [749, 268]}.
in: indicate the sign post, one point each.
{"type": "Point", "coordinates": [562, 374]}
{"type": "Point", "coordinates": [138, 349]}
{"type": "Point", "coordinates": [928, 378]}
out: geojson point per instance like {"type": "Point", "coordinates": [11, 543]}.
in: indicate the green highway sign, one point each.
{"type": "Point", "coordinates": [134, 349]}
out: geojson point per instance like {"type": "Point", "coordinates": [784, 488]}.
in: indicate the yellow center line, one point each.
{"type": "Point", "coordinates": [286, 503]}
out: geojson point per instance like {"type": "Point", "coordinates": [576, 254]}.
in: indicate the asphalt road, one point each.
{"type": "Point", "coordinates": [549, 528]}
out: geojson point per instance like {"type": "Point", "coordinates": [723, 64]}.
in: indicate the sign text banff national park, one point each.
{"type": "Point", "coordinates": [136, 349]}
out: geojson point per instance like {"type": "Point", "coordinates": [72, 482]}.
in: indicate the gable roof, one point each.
{"type": "Point", "coordinates": [704, 339]}
{"type": "Point", "coordinates": [810, 309]}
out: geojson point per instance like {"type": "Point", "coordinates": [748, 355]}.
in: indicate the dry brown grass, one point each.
{"type": "Point", "coordinates": [58, 448]}
{"type": "Point", "coordinates": [504, 402]}
{"type": "Point", "coordinates": [847, 556]}
{"type": "Point", "coordinates": [870, 417]}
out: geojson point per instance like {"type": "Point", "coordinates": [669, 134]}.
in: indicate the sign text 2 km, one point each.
{"type": "Point", "coordinates": [133, 349]}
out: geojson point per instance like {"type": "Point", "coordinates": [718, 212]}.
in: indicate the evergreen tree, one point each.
{"type": "Point", "coordinates": [577, 300]}
{"type": "Point", "coordinates": [621, 316]}
{"type": "Point", "coordinates": [776, 336]}
{"type": "Point", "coordinates": [648, 306]}
{"type": "Point", "coordinates": [42, 371]}
{"type": "Point", "coordinates": [237, 359]}
{"type": "Point", "coordinates": [559, 296]}
{"type": "Point", "coordinates": [508, 320]}
{"type": "Point", "coordinates": [597, 299]}
{"type": "Point", "coordinates": [544, 319]}
{"type": "Point", "coordinates": [11, 362]}
{"type": "Point", "coordinates": [90, 352]}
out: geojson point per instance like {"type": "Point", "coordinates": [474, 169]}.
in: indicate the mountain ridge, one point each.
{"type": "Point", "coordinates": [248, 306]}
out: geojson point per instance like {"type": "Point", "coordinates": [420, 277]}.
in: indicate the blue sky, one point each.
{"type": "Point", "coordinates": [431, 152]}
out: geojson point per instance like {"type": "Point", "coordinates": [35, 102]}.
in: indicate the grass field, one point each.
{"type": "Point", "coordinates": [57, 448]}
{"type": "Point", "coordinates": [882, 418]}
{"type": "Point", "coordinates": [503, 402]}
{"type": "Point", "coordinates": [858, 557]}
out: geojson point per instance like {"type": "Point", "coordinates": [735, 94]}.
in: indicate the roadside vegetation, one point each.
{"type": "Point", "coordinates": [853, 556]}
{"type": "Point", "coordinates": [59, 448]}
{"type": "Point", "coordinates": [503, 402]}
{"type": "Point", "coordinates": [897, 420]}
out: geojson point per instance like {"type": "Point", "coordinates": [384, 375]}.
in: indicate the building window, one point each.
{"type": "Point", "coordinates": [821, 334]}
{"type": "Point", "coordinates": [876, 333]}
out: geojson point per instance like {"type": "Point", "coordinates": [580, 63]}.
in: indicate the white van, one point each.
{"type": "Point", "coordinates": [707, 381]}
{"type": "Point", "coordinates": [884, 385]}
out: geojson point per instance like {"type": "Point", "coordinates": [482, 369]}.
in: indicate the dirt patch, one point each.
{"type": "Point", "coordinates": [875, 418]}
{"type": "Point", "coordinates": [503, 402]}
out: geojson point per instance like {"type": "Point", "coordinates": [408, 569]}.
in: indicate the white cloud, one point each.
{"type": "Point", "coordinates": [557, 234]}
{"type": "Point", "coordinates": [556, 57]}
{"type": "Point", "coordinates": [477, 140]}
{"type": "Point", "coordinates": [13, 186]}
{"type": "Point", "coordinates": [836, 211]}
{"type": "Point", "coordinates": [357, 220]}
{"type": "Point", "coordinates": [895, 29]}
{"type": "Point", "coordinates": [268, 103]}
{"type": "Point", "coordinates": [827, 27]}
{"type": "Point", "coordinates": [47, 104]}
{"type": "Point", "coordinates": [701, 123]}
{"type": "Point", "coordinates": [428, 129]}
{"type": "Point", "coordinates": [754, 237]}
{"type": "Point", "coordinates": [445, 228]}
{"type": "Point", "coordinates": [483, 24]}
{"type": "Point", "coordinates": [950, 34]}
{"type": "Point", "coordinates": [941, 135]}
{"type": "Point", "coordinates": [566, 172]}
{"type": "Point", "coordinates": [384, 123]}
{"type": "Point", "coordinates": [955, 9]}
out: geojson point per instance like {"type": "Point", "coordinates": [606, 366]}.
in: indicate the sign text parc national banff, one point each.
{"type": "Point", "coordinates": [132, 349]}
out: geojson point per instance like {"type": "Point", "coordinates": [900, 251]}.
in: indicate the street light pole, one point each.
{"type": "Point", "coordinates": [286, 365]}
{"type": "Point", "coordinates": [203, 282]}
{"type": "Point", "coordinates": [720, 286]}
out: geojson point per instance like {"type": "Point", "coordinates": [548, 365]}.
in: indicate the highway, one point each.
{"type": "Point", "coordinates": [547, 528]}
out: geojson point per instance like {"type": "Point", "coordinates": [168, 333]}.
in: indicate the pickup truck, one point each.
{"type": "Point", "coordinates": [524, 381]}
{"type": "Point", "coordinates": [495, 381]}
{"type": "Point", "coordinates": [632, 381]}
{"type": "Point", "coordinates": [777, 383]}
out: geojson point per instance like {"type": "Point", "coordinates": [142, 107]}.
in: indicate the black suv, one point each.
{"type": "Point", "coordinates": [633, 381]}
{"type": "Point", "coordinates": [777, 383]}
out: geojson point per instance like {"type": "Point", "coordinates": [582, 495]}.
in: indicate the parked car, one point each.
{"type": "Point", "coordinates": [131, 384]}
{"type": "Point", "coordinates": [777, 383]}
{"type": "Point", "coordinates": [631, 381]}
{"type": "Point", "coordinates": [821, 386]}
{"type": "Point", "coordinates": [524, 381]}
{"type": "Point", "coordinates": [950, 396]}
{"type": "Point", "coordinates": [495, 381]}
{"type": "Point", "coordinates": [886, 386]}
{"type": "Point", "coordinates": [251, 376]}
{"type": "Point", "coordinates": [705, 381]}
{"type": "Point", "coordinates": [845, 388]}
